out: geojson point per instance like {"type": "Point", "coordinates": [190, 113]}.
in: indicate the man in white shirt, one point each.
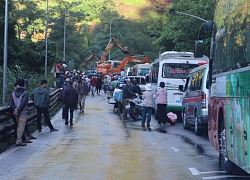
{"type": "Point", "coordinates": [123, 73]}
{"type": "Point", "coordinates": [64, 65]}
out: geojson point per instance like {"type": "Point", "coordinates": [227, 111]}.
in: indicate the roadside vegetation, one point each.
{"type": "Point", "coordinates": [145, 26]}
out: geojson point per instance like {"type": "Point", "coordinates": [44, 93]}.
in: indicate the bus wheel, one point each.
{"type": "Point", "coordinates": [197, 128]}
{"type": "Point", "coordinates": [224, 162]}
{"type": "Point", "coordinates": [184, 117]}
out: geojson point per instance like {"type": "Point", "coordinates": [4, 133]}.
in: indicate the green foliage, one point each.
{"type": "Point", "coordinates": [149, 31]}
{"type": "Point", "coordinates": [137, 3]}
{"type": "Point", "coordinates": [180, 30]}
{"type": "Point", "coordinates": [18, 72]}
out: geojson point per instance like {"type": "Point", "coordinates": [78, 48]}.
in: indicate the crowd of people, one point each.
{"type": "Point", "coordinates": [76, 87]}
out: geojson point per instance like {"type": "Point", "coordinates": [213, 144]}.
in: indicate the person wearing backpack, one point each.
{"type": "Point", "coordinates": [19, 105]}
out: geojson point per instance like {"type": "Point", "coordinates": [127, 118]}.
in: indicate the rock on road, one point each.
{"type": "Point", "coordinates": [100, 146]}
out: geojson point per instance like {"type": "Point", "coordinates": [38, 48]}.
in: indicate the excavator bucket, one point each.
{"type": "Point", "coordinates": [126, 50]}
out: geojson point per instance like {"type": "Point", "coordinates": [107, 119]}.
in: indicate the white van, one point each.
{"type": "Point", "coordinates": [140, 80]}
{"type": "Point", "coordinates": [195, 100]}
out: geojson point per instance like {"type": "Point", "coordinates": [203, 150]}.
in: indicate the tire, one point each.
{"type": "Point", "coordinates": [184, 117]}
{"type": "Point", "coordinates": [133, 113]}
{"type": "Point", "coordinates": [224, 162]}
{"type": "Point", "coordinates": [197, 128]}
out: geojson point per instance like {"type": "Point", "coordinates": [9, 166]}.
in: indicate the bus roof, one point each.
{"type": "Point", "coordinates": [179, 55]}
{"type": "Point", "coordinates": [143, 65]}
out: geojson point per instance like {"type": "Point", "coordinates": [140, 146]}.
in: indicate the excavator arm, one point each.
{"type": "Point", "coordinates": [110, 45]}
{"type": "Point", "coordinates": [92, 55]}
{"type": "Point", "coordinates": [137, 59]}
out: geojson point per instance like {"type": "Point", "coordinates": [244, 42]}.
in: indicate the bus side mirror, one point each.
{"type": "Point", "coordinates": [180, 88]}
{"type": "Point", "coordinates": [198, 49]}
{"type": "Point", "coordinates": [206, 26]}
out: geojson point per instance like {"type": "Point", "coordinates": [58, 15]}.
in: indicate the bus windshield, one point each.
{"type": "Point", "coordinates": [143, 72]}
{"type": "Point", "coordinates": [177, 70]}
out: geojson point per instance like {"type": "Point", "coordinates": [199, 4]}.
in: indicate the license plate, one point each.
{"type": "Point", "coordinates": [127, 106]}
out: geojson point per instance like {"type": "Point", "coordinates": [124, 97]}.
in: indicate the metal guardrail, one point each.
{"type": "Point", "coordinates": [7, 124]}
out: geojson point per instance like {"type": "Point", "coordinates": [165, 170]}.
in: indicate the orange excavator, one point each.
{"type": "Point", "coordinates": [103, 64]}
{"type": "Point", "coordinates": [86, 60]}
{"type": "Point", "coordinates": [123, 63]}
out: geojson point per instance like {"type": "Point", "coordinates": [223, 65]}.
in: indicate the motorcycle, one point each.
{"type": "Point", "coordinates": [135, 108]}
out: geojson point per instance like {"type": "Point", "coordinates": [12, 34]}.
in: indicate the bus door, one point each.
{"type": "Point", "coordinates": [238, 117]}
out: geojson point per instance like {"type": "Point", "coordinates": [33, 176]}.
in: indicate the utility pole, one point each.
{"type": "Point", "coordinates": [46, 42]}
{"type": "Point", "coordinates": [5, 58]}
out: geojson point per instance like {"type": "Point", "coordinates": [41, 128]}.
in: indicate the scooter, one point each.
{"type": "Point", "coordinates": [135, 108]}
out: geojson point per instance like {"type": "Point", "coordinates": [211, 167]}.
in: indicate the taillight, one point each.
{"type": "Point", "coordinates": [203, 99]}
{"type": "Point", "coordinates": [202, 63]}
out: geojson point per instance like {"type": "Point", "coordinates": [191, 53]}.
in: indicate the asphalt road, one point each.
{"type": "Point", "coordinates": [100, 146]}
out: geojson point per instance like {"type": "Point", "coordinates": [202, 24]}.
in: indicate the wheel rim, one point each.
{"type": "Point", "coordinates": [184, 119]}
{"type": "Point", "coordinates": [196, 124]}
{"type": "Point", "coordinates": [223, 145]}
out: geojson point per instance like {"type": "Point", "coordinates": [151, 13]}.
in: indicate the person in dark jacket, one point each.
{"type": "Point", "coordinates": [69, 102]}
{"type": "Point", "coordinates": [19, 105]}
{"type": "Point", "coordinates": [127, 94]}
{"type": "Point", "coordinates": [136, 87]}
{"type": "Point", "coordinates": [98, 85]}
{"type": "Point", "coordinates": [64, 87]}
{"type": "Point", "coordinates": [41, 99]}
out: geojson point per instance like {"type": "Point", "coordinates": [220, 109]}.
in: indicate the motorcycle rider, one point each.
{"type": "Point", "coordinates": [127, 94]}
{"type": "Point", "coordinates": [136, 87]}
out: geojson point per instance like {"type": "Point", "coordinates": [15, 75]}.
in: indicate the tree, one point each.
{"type": "Point", "coordinates": [181, 31]}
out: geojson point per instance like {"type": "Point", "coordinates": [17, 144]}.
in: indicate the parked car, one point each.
{"type": "Point", "coordinates": [140, 80]}
{"type": "Point", "coordinates": [195, 100]}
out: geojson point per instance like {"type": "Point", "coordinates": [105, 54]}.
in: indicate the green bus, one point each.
{"type": "Point", "coordinates": [229, 83]}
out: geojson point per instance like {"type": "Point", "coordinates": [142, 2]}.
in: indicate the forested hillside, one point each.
{"type": "Point", "coordinates": [145, 26]}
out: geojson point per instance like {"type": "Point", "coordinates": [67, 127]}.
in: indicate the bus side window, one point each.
{"type": "Point", "coordinates": [196, 81]}
{"type": "Point", "coordinates": [193, 82]}
{"type": "Point", "coordinates": [154, 75]}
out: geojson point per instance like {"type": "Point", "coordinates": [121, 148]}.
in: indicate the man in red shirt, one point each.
{"type": "Point", "coordinates": [60, 66]}
{"type": "Point", "coordinates": [93, 82]}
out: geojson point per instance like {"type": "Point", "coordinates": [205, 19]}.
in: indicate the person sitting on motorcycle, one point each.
{"type": "Point", "coordinates": [136, 88]}
{"type": "Point", "coordinates": [127, 94]}
{"type": "Point", "coordinates": [111, 87]}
